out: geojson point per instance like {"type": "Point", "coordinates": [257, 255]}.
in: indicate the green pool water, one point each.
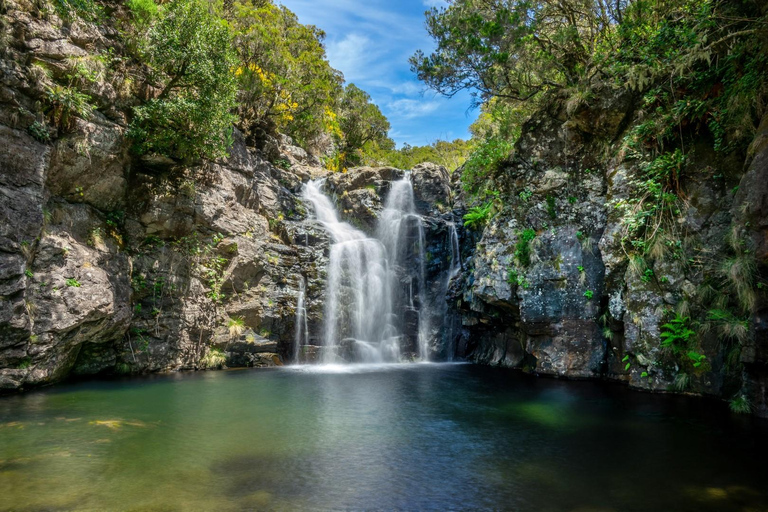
{"type": "Point", "coordinates": [399, 437]}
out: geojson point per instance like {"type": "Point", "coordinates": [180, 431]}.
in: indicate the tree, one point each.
{"type": "Point", "coordinates": [286, 82]}
{"type": "Point", "coordinates": [189, 51]}
{"type": "Point", "coordinates": [514, 49]}
{"type": "Point", "coordinates": [360, 122]}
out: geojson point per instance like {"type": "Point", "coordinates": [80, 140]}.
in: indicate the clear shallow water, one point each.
{"type": "Point", "coordinates": [401, 437]}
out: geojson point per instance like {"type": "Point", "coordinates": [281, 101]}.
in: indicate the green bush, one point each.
{"type": "Point", "coordinates": [190, 52]}
{"type": "Point", "coordinates": [740, 404]}
{"type": "Point", "coordinates": [144, 11]}
{"type": "Point", "coordinates": [67, 103]}
{"type": "Point", "coordinates": [85, 9]}
{"type": "Point", "coordinates": [484, 162]}
{"type": "Point", "coordinates": [523, 246]}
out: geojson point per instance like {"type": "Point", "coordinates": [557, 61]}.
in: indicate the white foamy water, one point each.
{"type": "Point", "coordinates": [373, 282]}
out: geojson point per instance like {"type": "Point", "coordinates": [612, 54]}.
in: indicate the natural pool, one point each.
{"type": "Point", "coordinates": [399, 437]}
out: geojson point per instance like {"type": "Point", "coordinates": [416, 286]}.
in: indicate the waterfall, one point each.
{"type": "Point", "coordinates": [455, 252]}
{"type": "Point", "coordinates": [449, 321]}
{"type": "Point", "coordinates": [401, 230]}
{"type": "Point", "coordinates": [375, 298]}
{"type": "Point", "coordinates": [302, 332]}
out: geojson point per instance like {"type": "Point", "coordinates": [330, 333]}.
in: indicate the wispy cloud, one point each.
{"type": "Point", "coordinates": [412, 109]}
{"type": "Point", "coordinates": [352, 56]}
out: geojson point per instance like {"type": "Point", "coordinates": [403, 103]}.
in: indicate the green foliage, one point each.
{"type": "Point", "coordinates": [28, 273]}
{"type": "Point", "coordinates": [67, 103]}
{"type": "Point", "coordinates": [450, 155]}
{"type": "Point", "coordinates": [87, 10]}
{"type": "Point", "coordinates": [729, 326]}
{"type": "Point", "coordinates": [478, 216]}
{"type": "Point", "coordinates": [361, 122]}
{"type": "Point", "coordinates": [483, 163]}
{"type": "Point", "coordinates": [589, 294]}
{"type": "Point", "coordinates": [677, 334]}
{"type": "Point", "coordinates": [144, 12]}
{"type": "Point", "coordinates": [73, 283]}
{"type": "Point", "coordinates": [190, 53]}
{"type": "Point", "coordinates": [515, 278]}
{"type": "Point", "coordinates": [122, 368]}
{"type": "Point", "coordinates": [494, 134]}
{"type": "Point", "coordinates": [24, 364]}
{"type": "Point", "coordinates": [523, 246]}
{"type": "Point", "coordinates": [696, 358]}
{"type": "Point", "coordinates": [513, 49]}
{"type": "Point", "coordinates": [551, 209]}
{"type": "Point", "coordinates": [214, 358]}
{"type": "Point", "coordinates": [286, 83]}
{"type": "Point", "coordinates": [647, 276]}
{"type": "Point", "coordinates": [740, 404]}
{"type": "Point", "coordinates": [39, 131]}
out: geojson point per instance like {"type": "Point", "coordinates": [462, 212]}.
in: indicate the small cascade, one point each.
{"type": "Point", "coordinates": [376, 296]}
{"type": "Point", "coordinates": [302, 330]}
{"type": "Point", "coordinates": [455, 252]}
{"type": "Point", "coordinates": [449, 321]}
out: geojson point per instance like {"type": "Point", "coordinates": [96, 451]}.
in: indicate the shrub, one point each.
{"type": "Point", "coordinates": [676, 334]}
{"type": "Point", "coordinates": [39, 131]}
{"type": "Point", "coordinates": [73, 283]}
{"type": "Point", "coordinates": [214, 358]}
{"type": "Point", "coordinates": [144, 11]}
{"type": "Point", "coordinates": [484, 162]}
{"type": "Point", "coordinates": [740, 404]}
{"type": "Point", "coordinates": [190, 52]}
{"type": "Point", "coordinates": [236, 326]}
{"type": "Point", "coordinates": [85, 9]}
{"type": "Point", "coordinates": [523, 246]}
{"type": "Point", "coordinates": [67, 103]}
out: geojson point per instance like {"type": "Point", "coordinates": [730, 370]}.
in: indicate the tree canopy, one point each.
{"type": "Point", "coordinates": [190, 55]}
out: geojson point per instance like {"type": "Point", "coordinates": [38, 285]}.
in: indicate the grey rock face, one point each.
{"type": "Point", "coordinates": [111, 263]}
{"type": "Point", "coordinates": [549, 287]}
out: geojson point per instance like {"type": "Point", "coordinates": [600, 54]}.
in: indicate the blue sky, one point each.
{"type": "Point", "coordinates": [370, 41]}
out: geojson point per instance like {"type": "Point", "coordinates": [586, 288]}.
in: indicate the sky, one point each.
{"type": "Point", "coordinates": [370, 41]}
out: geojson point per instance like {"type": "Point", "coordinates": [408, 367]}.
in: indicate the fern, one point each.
{"type": "Point", "coordinates": [478, 216]}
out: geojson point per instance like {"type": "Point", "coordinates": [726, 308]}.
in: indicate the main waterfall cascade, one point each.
{"type": "Point", "coordinates": [375, 300]}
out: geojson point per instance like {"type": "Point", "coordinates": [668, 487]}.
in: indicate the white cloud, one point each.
{"type": "Point", "coordinates": [352, 56]}
{"type": "Point", "coordinates": [411, 109]}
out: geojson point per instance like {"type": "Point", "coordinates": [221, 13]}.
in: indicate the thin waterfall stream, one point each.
{"type": "Point", "coordinates": [375, 298]}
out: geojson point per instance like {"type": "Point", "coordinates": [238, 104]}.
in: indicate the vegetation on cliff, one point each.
{"type": "Point", "coordinates": [692, 76]}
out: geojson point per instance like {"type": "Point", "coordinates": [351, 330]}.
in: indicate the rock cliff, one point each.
{"type": "Point", "coordinates": [549, 286]}
{"type": "Point", "coordinates": [114, 263]}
